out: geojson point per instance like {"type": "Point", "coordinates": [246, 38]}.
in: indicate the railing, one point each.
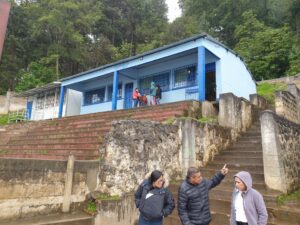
{"type": "Point", "coordinates": [17, 116]}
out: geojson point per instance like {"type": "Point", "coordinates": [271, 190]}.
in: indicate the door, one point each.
{"type": "Point", "coordinates": [128, 96]}
{"type": "Point", "coordinates": [28, 110]}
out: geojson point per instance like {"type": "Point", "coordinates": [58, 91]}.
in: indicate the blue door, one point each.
{"type": "Point", "coordinates": [128, 96]}
{"type": "Point", "coordinates": [29, 110]}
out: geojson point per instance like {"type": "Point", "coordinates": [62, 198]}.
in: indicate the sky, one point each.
{"type": "Point", "coordinates": [173, 10]}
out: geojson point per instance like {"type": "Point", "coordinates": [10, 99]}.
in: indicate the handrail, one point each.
{"type": "Point", "coordinates": [17, 116]}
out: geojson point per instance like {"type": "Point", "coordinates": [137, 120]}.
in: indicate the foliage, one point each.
{"type": "Point", "coordinates": [266, 50]}
{"type": "Point", "coordinates": [51, 39]}
{"type": "Point", "coordinates": [91, 207]}
{"type": "Point", "coordinates": [268, 90]}
{"type": "Point", "coordinates": [3, 120]}
{"type": "Point", "coordinates": [107, 197]}
{"type": "Point", "coordinates": [284, 198]}
{"type": "Point", "coordinates": [208, 120]}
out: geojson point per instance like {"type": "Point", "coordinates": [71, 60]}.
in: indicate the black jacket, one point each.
{"type": "Point", "coordinates": [160, 204]}
{"type": "Point", "coordinates": [193, 202]}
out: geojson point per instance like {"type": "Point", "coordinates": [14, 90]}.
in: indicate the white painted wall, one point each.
{"type": "Point", "coordinates": [231, 73]}
{"type": "Point", "coordinates": [73, 102]}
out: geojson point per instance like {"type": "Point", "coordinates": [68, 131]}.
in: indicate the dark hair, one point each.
{"type": "Point", "coordinates": [155, 175]}
{"type": "Point", "coordinates": [192, 171]}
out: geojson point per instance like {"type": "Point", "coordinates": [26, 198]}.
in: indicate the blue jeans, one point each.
{"type": "Point", "coordinates": [142, 221]}
{"type": "Point", "coordinates": [135, 102]}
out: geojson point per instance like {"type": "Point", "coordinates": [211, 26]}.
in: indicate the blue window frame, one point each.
{"type": "Point", "coordinates": [94, 96]}
{"type": "Point", "coordinates": [184, 77]}
{"type": "Point", "coordinates": [110, 92]}
{"type": "Point", "coordinates": [162, 79]}
{"type": "Point", "coordinates": [210, 67]}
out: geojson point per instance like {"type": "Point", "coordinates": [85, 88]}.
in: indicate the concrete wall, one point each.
{"type": "Point", "coordinates": [37, 187]}
{"type": "Point", "coordinates": [9, 103]}
{"type": "Point", "coordinates": [236, 113]}
{"type": "Point", "coordinates": [120, 212]}
{"type": "Point", "coordinates": [281, 152]}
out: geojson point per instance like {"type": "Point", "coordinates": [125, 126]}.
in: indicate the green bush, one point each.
{"type": "Point", "coordinates": [268, 90]}
{"type": "Point", "coordinates": [3, 119]}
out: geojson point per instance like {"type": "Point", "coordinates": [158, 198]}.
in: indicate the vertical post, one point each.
{"type": "Point", "coordinates": [61, 101]}
{"type": "Point", "coordinates": [201, 73]}
{"type": "Point", "coordinates": [115, 91]}
{"type": "Point", "coordinates": [68, 184]}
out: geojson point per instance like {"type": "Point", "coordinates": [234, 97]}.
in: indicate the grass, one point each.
{"type": "Point", "coordinates": [208, 120]}
{"type": "Point", "coordinates": [267, 91]}
{"type": "Point", "coordinates": [3, 119]}
{"type": "Point", "coordinates": [282, 199]}
{"type": "Point", "coordinates": [108, 197]}
{"type": "Point", "coordinates": [169, 120]}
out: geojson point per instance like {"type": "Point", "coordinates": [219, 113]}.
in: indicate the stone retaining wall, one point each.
{"type": "Point", "coordinates": [135, 148]}
{"type": "Point", "coordinates": [286, 105]}
{"type": "Point", "coordinates": [281, 152]}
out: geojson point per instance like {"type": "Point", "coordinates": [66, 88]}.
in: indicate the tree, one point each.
{"type": "Point", "coordinates": [266, 50]}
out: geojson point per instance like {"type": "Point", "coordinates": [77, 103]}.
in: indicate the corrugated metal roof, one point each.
{"type": "Point", "coordinates": [38, 90]}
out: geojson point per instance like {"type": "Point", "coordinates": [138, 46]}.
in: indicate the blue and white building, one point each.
{"type": "Point", "coordinates": [199, 68]}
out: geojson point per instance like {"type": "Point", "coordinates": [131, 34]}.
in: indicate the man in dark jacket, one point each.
{"type": "Point", "coordinates": [193, 205]}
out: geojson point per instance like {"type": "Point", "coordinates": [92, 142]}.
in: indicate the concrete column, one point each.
{"type": "Point", "coordinates": [115, 91]}
{"type": "Point", "coordinates": [61, 101]}
{"type": "Point", "coordinates": [7, 102]}
{"type": "Point", "coordinates": [201, 73]}
{"type": "Point", "coordinates": [230, 114]}
{"type": "Point", "coordinates": [273, 167]}
{"type": "Point", "coordinates": [188, 144]}
{"type": "Point", "coordinates": [68, 184]}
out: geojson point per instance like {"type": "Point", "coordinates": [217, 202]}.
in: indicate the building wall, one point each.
{"type": "Point", "coordinates": [46, 108]}
{"type": "Point", "coordinates": [232, 74]}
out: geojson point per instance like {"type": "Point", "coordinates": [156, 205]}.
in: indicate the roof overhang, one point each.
{"type": "Point", "coordinates": [38, 90]}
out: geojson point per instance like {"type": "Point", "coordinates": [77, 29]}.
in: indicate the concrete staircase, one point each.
{"type": "Point", "coordinates": [80, 135]}
{"type": "Point", "coordinates": [245, 154]}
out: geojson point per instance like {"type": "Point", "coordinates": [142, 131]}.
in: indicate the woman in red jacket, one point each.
{"type": "Point", "coordinates": [135, 96]}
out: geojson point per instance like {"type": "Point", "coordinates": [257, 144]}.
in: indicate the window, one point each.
{"type": "Point", "coordinates": [185, 77]}
{"type": "Point", "coordinates": [110, 92]}
{"type": "Point", "coordinates": [210, 67]}
{"type": "Point", "coordinates": [95, 96]}
{"type": "Point", "coordinates": [163, 80]}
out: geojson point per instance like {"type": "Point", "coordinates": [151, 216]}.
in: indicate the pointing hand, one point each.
{"type": "Point", "coordinates": [224, 170]}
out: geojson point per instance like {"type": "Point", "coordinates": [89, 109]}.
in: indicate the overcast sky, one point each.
{"type": "Point", "coordinates": [174, 10]}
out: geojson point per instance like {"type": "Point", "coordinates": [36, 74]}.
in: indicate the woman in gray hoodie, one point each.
{"type": "Point", "coordinates": [247, 205]}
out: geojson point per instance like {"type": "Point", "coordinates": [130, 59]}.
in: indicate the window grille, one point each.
{"type": "Point", "coordinates": [94, 96]}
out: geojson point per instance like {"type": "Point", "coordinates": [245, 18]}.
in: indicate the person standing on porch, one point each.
{"type": "Point", "coordinates": [135, 97]}
{"type": "Point", "coordinates": [158, 94]}
{"type": "Point", "coordinates": [153, 93]}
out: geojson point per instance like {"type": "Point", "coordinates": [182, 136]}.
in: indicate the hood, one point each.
{"type": "Point", "coordinates": [246, 178]}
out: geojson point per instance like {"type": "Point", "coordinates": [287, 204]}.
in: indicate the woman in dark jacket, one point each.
{"type": "Point", "coordinates": [153, 200]}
